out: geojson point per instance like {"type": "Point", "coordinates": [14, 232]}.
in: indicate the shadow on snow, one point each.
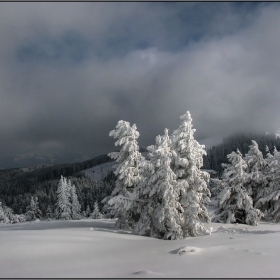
{"type": "Point", "coordinates": [102, 224]}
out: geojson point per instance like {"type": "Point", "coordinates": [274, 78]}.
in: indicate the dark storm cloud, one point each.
{"type": "Point", "coordinates": [70, 71]}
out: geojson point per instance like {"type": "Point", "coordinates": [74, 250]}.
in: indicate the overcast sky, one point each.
{"type": "Point", "coordinates": [70, 71]}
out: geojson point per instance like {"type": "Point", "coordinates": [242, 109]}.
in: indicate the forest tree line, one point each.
{"type": "Point", "coordinates": [217, 155]}
{"type": "Point", "coordinates": [18, 186]}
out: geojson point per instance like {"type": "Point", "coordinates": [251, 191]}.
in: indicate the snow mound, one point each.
{"type": "Point", "coordinates": [147, 273]}
{"type": "Point", "coordinates": [223, 229]}
{"type": "Point", "coordinates": [188, 249]}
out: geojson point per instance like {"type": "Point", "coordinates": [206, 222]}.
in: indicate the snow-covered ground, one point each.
{"type": "Point", "coordinates": [94, 248]}
{"type": "Point", "coordinates": [100, 171]}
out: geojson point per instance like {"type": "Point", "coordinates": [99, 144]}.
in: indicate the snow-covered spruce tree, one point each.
{"type": "Point", "coordinates": [33, 211]}
{"type": "Point", "coordinates": [19, 218]}
{"type": "Point", "coordinates": [235, 204]}
{"type": "Point", "coordinates": [87, 212]}
{"type": "Point", "coordinates": [269, 156]}
{"type": "Point", "coordinates": [3, 218]}
{"type": "Point", "coordinates": [75, 205]}
{"type": "Point", "coordinates": [216, 186]}
{"type": "Point", "coordinates": [96, 213]}
{"type": "Point", "coordinates": [270, 202]}
{"type": "Point", "coordinates": [160, 208]}
{"type": "Point", "coordinates": [84, 215]}
{"type": "Point", "coordinates": [63, 205]}
{"type": "Point", "coordinates": [186, 164]}
{"type": "Point", "coordinates": [9, 213]}
{"type": "Point", "coordinates": [256, 167]}
{"type": "Point", "coordinates": [49, 212]}
{"type": "Point", "coordinates": [127, 170]}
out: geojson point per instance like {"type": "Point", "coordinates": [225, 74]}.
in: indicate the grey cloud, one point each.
{"type": "Point", "coordinates": [70, 71]}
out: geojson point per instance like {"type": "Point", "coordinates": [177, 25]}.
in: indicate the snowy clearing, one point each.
{"type": "Point", "coordinates": [94, 248]}
{"type": "Point", "coordinates": [100, 171]}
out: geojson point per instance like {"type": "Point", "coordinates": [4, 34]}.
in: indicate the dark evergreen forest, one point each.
{"type": "Point", "coordinates": [18, 185]}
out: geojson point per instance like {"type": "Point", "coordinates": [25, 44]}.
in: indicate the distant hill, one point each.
{"type": "Point", "coordinates": [17, 185]}
{"type": "Point", "coordinates": [42, 173]}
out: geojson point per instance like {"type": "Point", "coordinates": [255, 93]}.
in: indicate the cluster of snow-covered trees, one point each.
{"type": "Point", "coordinates": [33, 210]}
{"type": "Point", "coordinates": [249, 188]}
{"type": "Point", "coordinates": [7, 215]}
{"type": "Point", "coordinates": [32, 213]}
{"type": "Point", "coordinates": [67, 207]}
{"type": "Point", "coordinates": [217, 154]}
{"type": "Point", "coordinates": [164, 195]}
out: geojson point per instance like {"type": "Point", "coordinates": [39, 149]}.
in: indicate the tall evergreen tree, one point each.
{"type": "Point", "coordinates": [63, 205]}
{"type": "Point", "coordinates": [161, 210]}
{"type": "Point", "coordinates": [270, 200]}
{"type": "Point", "coordinates": [235, 204]}
{"type": "Point", "coordinates": [49, 212]}
{"type": "Point", "coordinates": [33, 210]}
{"type": "Point", "coordinates": [75, 205]}
{"type": "Point", "coordinates": [96, 213]}
{"type": "Point", "coordinates": [256, 168]}
{"type": "Point", "coordinates": [127, 170]}
{"type": "Point", "coordinates": [88, 211]}
{"type": "Point", "coordinates": [186, 164]}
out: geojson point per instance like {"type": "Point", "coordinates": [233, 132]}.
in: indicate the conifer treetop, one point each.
{"type": "Point", "coordinates": [186, 117]}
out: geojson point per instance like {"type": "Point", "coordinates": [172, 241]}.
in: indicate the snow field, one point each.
{"type": "Point", "coordinates": [96, 249]}
{"type": "Point", "coordinates": [98, 172]}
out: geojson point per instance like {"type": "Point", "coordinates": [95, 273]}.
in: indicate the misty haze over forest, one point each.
{"type": "Point", "coordinates": [70, 71]}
